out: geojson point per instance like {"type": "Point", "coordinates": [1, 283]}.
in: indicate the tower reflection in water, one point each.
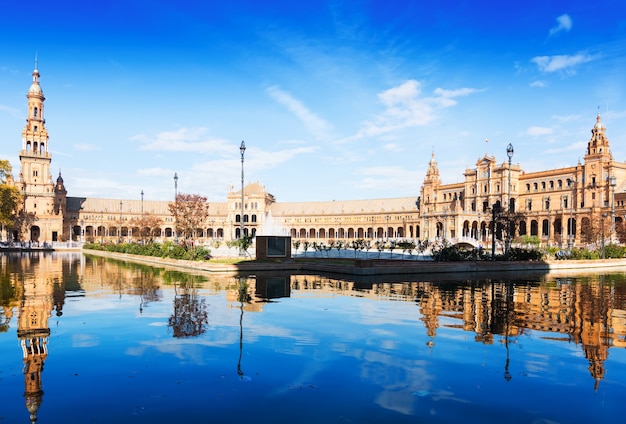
{"type": "Point", "coordinates": [589, 312]}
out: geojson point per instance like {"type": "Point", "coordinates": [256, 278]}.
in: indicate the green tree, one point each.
{"type": "Point", "coordinates": [244, 244]}
{"type": "Point", "coordinates": [5, 170]}
{"type": "Point", "coordinates": [10, 197]}
{"type": "Point", "coordinates": [10, 201]}
{"type": "Point", "coordinates": [296, 245]}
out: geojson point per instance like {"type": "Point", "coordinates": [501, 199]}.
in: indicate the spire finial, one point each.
{"type": "Point", "coordinates": [36, 61]}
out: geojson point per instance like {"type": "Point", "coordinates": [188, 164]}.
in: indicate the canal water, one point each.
{"type": "Point", "coordinates": [90, 340]}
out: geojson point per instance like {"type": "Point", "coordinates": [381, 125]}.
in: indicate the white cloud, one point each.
{"type": "Point", "coordinates": [578, 146]}
{"type": "Point", "coordinates": [268, 160]}
{"type": "Point", "coordinates": [566, 118]}
{"type": "Point", "coordinates": [382, 177]}
{"type": "Point", "coordinates": [316, 125]}
{"type": "Point", "coordinates": [563, 23]}
{"type": "Point", "coordinates": [536, 131]}
{"type": "Point", "coordinates": [393, 147]}
{"type": "Point", "coordinates": [154, 172]}
{"type": "Point", "coordinates": [86, 147]}
{"type": "Point", "coordinates": [561, 62]}
{"type": "Point", "coordinates": [539, 83]}
{"type": "Point", "coordinates": [446, 96]}
{"type": "Point", "coordinates": [184, 140]}
{"type": "Point", "coordinates": [406, 107]}
{"type": "Point", "coordinates": [11, 111]}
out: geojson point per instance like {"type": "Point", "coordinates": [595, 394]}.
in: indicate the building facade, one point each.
{"type": "Point", "coordinates": [577, 205]}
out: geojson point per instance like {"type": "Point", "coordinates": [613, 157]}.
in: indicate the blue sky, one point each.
{"type": "Point", "coordinates": [334, 99]}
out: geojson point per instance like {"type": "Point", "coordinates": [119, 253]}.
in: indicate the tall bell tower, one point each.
{"type": "Point", "coordinates": [42, 221]}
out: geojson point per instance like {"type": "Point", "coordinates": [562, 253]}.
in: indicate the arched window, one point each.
{"type": "Point", "coordinates": [534, 228]}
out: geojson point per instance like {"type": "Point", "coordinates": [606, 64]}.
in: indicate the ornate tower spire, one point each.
{"type": "Point", "coordinates": [432, 173]}
{"type": "Point", "coordinates": [35, 179]}
{"type": "Point", "coordinates": [599, 143]}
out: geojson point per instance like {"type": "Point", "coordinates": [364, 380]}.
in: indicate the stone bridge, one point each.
{"type": "Point", "coordinates": [469, 242]}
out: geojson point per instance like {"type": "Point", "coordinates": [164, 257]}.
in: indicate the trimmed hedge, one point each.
{"type": "Point", "coordinates": [165, 250]}
{"type": "Point", "coordinates": [448, 253]}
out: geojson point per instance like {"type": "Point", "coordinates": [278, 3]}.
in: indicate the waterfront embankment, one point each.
{"type": "Point", "coordinates": [366, 267]}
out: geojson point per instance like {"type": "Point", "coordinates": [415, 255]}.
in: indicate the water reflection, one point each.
{"type": "Point", "coordinates": [189, 317]}
{"type": "Point", "coordinates": [243, 298]}
{"type": "Point", "coordinates": [588, 312]}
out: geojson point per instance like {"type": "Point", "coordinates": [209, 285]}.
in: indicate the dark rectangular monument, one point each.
{"type": "Point", "coordinates": [273, 247]}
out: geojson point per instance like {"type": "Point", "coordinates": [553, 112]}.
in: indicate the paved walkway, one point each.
{"type": "Point", "coordinates": [225, 252]}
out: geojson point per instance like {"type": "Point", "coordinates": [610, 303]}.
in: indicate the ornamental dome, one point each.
{"type": "Point", "coordinates": [598, 123]}
{"type": "Point", "coordinates": [35, 88]}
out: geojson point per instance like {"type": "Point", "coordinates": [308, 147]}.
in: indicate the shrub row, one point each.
{"type": "Point", "coordinates": [447, 252]}
{"type": "Point", "coordinates": [165, 250]}
{"type": "Point", "coordinates": [454, 253]}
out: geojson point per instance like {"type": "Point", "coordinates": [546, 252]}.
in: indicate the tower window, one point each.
{"type": "Point", "coordinates": [35, 173]}
{"type": "Point", "coordinates": [35, 112]}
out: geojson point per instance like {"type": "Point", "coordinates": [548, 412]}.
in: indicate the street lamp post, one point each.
{"type": "Point", "coordinates": [175, 206]}
{"type": "Point", "coordinates": [549, 222]}
{"type": "Point", "coordinates": [570, 240]}
{"type": "Point", "coordinates": [141, 230]}
{"type": "Point", "coordinates": [613, 183]}
{"type": "Point", "coordinates": [509, 153]}
{"type": "Point", "coordinates": [387, 218]}
{"type": "Point", "coordinates": [82, 231]}
{"type": "Point", "coordinates": [602, 244]}
{"type": "Point", "coordinates": [242, 150]}
{"type": "Point", "coordinates": [495, 210]}
{"type": "Point", "coordinates": [120, 221]}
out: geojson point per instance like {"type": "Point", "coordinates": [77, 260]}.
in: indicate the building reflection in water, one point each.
{"type": "Point", "coordinates": [587, 311]}
{"type": "Point", "coordinates": [33, 333]}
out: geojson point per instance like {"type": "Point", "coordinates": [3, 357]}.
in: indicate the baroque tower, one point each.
{"type": "Point", "coordinates": [43, 200]}
{"type": "Point", "coordinates": [598, 165]}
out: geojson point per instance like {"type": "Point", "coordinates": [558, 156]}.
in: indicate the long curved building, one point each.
{"type": "Point", "coordinates": [567, 206]}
